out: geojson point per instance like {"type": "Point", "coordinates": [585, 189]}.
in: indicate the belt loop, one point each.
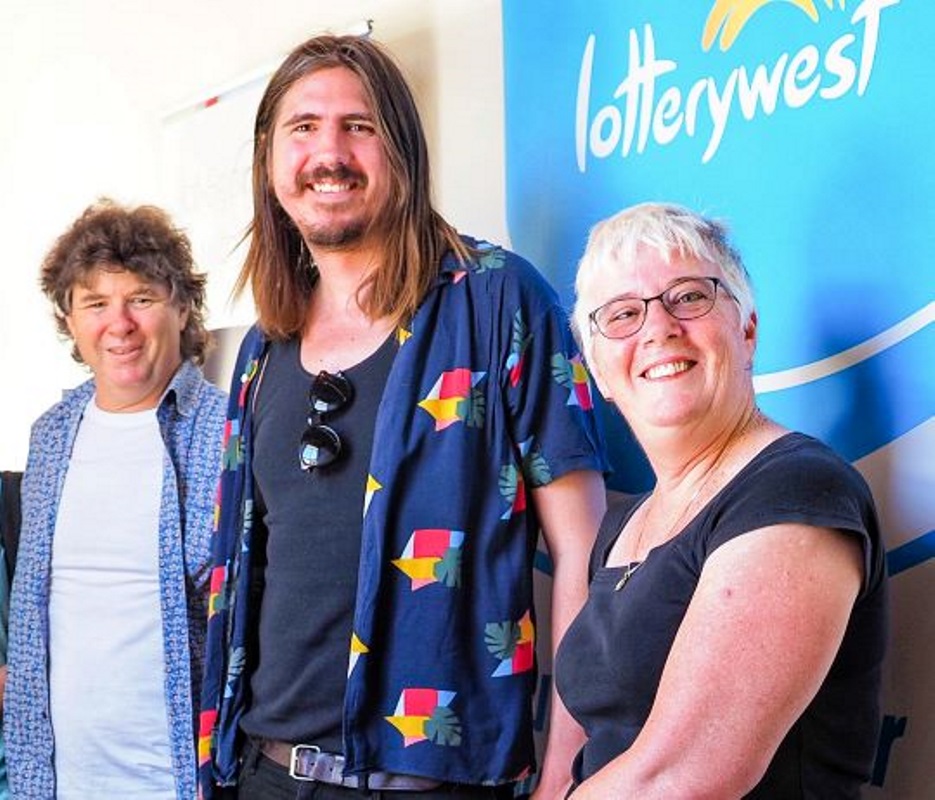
{"type": "Point", "coordinates": [250, 755]}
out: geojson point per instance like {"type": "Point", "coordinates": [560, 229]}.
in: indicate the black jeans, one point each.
{"type": "Point", "coordinates": [264, 779]}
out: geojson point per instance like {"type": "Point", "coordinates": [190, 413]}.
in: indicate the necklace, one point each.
{"type": "Point", "coordinates": [633, 566]}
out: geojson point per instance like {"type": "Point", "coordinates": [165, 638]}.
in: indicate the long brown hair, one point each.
{"type": "Point", "coordinates": [278, 267]}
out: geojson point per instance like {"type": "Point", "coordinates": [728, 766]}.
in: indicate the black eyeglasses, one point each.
{"type": "Point", "coordinates": [688, 298]}
{"type": "Point", "coordinates": [321, 445]}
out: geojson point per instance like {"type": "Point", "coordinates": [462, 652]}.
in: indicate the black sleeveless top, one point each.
{"type": "Point", "coordinates": [611, 659]}
{"type": "Point", "coordinates": [312, 522]}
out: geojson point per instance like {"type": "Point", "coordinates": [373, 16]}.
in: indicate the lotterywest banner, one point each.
{"type": "Point", "coordinates": [809, 127]}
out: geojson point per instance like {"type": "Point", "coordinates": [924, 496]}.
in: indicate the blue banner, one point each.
{"type": "Point", "coordinates": [809, 127]}
{"type": "Point", "coordinates": [806, 125]}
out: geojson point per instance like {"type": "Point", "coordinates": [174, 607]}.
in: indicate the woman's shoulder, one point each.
{"type": "Point", "coordinates": [797, 462]}
{"type": "Point", "coordinates": [797, 480]}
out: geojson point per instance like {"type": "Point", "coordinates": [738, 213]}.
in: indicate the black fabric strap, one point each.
{"type": "Point", "coordinates": [10, 516]}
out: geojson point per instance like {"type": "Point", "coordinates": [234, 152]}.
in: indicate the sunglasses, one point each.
{"type": "Point", "coordinates": [321, 445]}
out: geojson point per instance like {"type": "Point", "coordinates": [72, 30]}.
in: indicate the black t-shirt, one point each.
{"type": "Point", "coordinates": [313, 528]}
{"type": "Point", "coordinates": [611, 659]}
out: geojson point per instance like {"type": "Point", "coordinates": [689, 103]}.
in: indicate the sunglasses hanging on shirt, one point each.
{"type": "Point", "coordinates": [321, 444]}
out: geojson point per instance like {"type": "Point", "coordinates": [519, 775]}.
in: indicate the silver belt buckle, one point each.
{"type": "Point", "coordinates": [294, 760]}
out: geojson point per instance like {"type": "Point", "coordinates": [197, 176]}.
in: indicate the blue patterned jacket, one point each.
{"type": "Point", "coordinates": [487, 397]}
{"type": "Point", "coordinates": [191, 419]}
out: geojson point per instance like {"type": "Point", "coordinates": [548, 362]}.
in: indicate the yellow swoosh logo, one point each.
{"type": "Point", "coordinates": [730, 16]}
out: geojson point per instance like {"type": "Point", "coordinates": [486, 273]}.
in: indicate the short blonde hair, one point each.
{"type": "Point", "coordinates": [669, 230]}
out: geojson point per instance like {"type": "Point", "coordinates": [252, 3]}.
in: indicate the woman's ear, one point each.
{"type": "Point", "coordinates": [750, 337]}
{"type": "Point", "coordinates": [750, 328]}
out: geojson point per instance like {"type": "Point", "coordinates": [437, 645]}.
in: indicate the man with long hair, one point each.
{"type": "Point", "coordinates": [408, 412]}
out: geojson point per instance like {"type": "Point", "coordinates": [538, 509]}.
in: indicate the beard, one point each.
{"type": "Point", "coordinates": [345, 229]}
{"type": "Point", "coordinates": [336, 236]}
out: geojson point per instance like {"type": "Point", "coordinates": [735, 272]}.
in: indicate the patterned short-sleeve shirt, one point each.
{"type": "Point", "coordinates": [487, 397]}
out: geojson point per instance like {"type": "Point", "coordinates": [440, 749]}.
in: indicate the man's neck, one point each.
{"type": "Point", "coordinates": [341, 272]}
{"type": "Point", "coordinates": [339, 333]}
{"type": "Point", "coordinates": [357, 259]}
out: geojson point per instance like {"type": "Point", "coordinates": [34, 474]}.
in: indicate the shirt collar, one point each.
{"type": "Point", "coordinates": [451, 266]}
{"type": "Point", "coordinates": [183, 389]}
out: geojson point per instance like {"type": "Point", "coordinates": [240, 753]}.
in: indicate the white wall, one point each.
{"type": "Point", "coordinates": [85, 88]}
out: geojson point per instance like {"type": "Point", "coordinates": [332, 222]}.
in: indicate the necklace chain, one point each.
{"type": "Point", "coordinates": [633, 566]}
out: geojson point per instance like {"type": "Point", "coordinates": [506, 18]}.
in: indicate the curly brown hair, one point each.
{"type": "Point", "coordinates": [142, 240]}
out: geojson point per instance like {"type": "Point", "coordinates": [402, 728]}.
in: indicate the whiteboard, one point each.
{"type": "Point", "coordinates": [206, 158]}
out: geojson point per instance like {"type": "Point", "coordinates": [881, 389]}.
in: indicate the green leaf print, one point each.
{"type": "Point", "coordinates": [448, 568]}
{"type": "Point", "coordinates": [443, 727]}
{"type": "Point", "coordinates": [501, 638]}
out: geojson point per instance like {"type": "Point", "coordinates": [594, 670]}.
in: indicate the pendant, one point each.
{"type": "Point", "coordinates": [627, 574]}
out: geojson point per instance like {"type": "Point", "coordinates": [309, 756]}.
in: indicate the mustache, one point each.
{"type": "Point", "coordinates": [339, 174]}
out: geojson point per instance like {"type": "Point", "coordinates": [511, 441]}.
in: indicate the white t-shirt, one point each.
{"type": "Point", "coordinates": [106, 681]}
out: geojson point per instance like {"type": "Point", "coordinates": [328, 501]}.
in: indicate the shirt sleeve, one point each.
{"type": "Point", "coordinates": [805, 483]}
{"type": "Point", "coordinates": [550, 395]}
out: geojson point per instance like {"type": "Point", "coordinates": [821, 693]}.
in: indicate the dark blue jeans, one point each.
{"type": "Point", "coordinates": [264, 779]}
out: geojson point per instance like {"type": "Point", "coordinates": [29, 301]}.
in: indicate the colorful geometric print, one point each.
{"type": "Point", "coordinates": [432, 555]}
{"type": "Point", "coordinates": [423, 715]}
{"type": "Point", "coordinates": [514, 643]}
{"type": "Point", "coordinates": [232, 452]}
{"type": "Point", "coordinates": [358, 648]}
{"type": "Point", "coordinates": [491, 257]}
{"type": "Point", "coordinates": [245, 379]}
{"type": "Point", "coordinates": [238, 660]}
{"type": "Point", "coordinates": [217, 596]}
{"type": "Point", "coordinates": [373, 486]}
{"type": "Point", "coordinates": [513, 489]}
{"type": "Point", "coordinates": [460, 467]}
{"type": "Point", "coordinates": [216, 514]}
{"type": "Point", "coordinates": [521, 340]}
{"type": "Point", "coordinates": [535, 470]}
{"type": "Point", "coordinates": [456, 398]}
{"type": "Point", "coordinates": [573, 375]}
{"type": "Point", "coordinates": [206, 723]}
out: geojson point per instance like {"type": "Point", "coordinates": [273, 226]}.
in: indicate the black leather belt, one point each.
{"type": "Point", "coordinates": [306, 762]}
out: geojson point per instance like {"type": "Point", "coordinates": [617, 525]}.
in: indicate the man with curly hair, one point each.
{"type": "Point", "coordinates": [107, 621]}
